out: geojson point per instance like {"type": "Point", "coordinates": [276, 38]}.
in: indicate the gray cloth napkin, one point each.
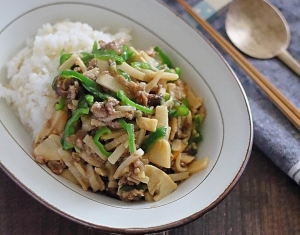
{"type": "Point", "coordinates": [273, 133]}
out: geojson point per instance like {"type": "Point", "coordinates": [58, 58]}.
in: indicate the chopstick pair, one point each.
{"type": "Point", "coordinates": [282, 103]}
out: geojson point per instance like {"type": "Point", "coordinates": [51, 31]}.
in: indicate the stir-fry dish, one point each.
{"type": "Point", "coordinates": [124, 124]}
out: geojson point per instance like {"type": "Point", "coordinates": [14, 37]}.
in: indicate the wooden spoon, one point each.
{"type": "Point", "coordinates": [259, 30]}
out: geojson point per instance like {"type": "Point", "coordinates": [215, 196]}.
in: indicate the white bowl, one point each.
{"type": "Point", "coordinates": [227, 129]}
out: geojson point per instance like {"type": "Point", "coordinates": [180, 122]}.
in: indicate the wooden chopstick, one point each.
{"type": "Point", "coordinates": [283, 104]}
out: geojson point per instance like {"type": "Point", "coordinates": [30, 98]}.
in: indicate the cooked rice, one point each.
{"type": "Point", "coordinates": [31, 71]}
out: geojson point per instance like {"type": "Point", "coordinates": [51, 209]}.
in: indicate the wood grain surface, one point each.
{"type": "Point", "coordinates": [264, 202]}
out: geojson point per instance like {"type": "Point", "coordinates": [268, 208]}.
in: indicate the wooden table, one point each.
{"type": "Point", "coordinates": [265, 201]}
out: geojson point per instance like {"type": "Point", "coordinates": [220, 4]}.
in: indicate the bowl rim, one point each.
{"type": "Point", "coordinates": [169, 225]}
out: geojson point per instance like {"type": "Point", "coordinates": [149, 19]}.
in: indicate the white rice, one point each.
{"type": "Point", "coordinates": [32, 70]}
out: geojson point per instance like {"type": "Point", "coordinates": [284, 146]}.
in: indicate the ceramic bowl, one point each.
{"type": "Point", "coordinates": [227, 129]}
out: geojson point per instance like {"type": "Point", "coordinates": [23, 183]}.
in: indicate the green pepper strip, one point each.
{"type": "Point", "coordinates": [165, 59]}
{"type": "Point", "coordinates": [95, 47]}
{"type": "Point", "coordinates": [180, 110]}
{"type": "Point", "coordinates": [130, 131]}
{"type": "Point", "coordinates": [70, 128]}
{"type": "Point", "coordinates": [108, 54]}
{"type": "Point", "coordinates": [87, 83]}
{"type": "Point", "coordinates": [82, 103]}
{"type": "Point", "coordinates": [167, 97]}
{"type": "Point", "coordinates": [185, 101]}
{"type": "Point", "coordinates": [125, 75]}
{"type": "Point", "coordinates": [126, 100]}
{"type": "Point", "coordinates": [197, 137]}
{"type": "Point", "coordinates": [86, 101]}
{"type": "Point", "coordinates": [98, 134]}
{"type": "Point", "coordinates": [178, 71]}
{"type": "Point", "coordinates": [60, 104]}
{"type": "Point", "coordinates": [63, 57]}
{"type": "Point", "coordinates": [89, 99]}
{"type": "Point", "coordinates": [141, 65]}
{"type": "Point", "coordinates": [126, 53]}
{"type": "Point", "coordinates": [86, 57]}
{"type": "Point", "coordinates": [127, 188]}
{"type": "Point", "coordinates": [197, 120]}
{"type": "Point", "coordinates": [158, 134]}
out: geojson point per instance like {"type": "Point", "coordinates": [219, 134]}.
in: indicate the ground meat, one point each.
{"type": "Point", "coordinates": [104, 109]}
{"type": "Point", "coordinates": [92, 64]}
{"type": "Point", "coordinates": [114, 124]}
{"type": "Point", "coordinates": [134, 87]}
{"type": "Point", "coordinates": [151, 52]}
{"type": "Point", "coordinates": [98, 109]}
{"type": "Point", "coordinates": [72, 105]}
{"type": "Point", "coordinates": [57, 167]}
{"type": "Point", "coordinates": [129, 195]}
{"type": "Point", "coordinates": [92, 74]}
{"type": "Point", "coordinates": [77, 69]}
{"type": "Point", "coordinates": [66, 87]}
{"type": "Point", "coordinates": [72, 92]}
{"type": "Point", "coordinates": [76, 157]}
{"type": "Point", "coordinates": [132, 195]}
{"type": "Point", "coordinates": [114, 45]}
{"type": "Point", "coordinates": [141, 98]}
{"type": "Point", "coordinates": [110, 104]}
{"type": "Point", "coordinates": [77, 139]}
{"type": "Point", "coordinates": [112, 68]}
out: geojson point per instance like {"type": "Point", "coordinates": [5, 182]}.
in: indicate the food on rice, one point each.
{"type": "Point", "coordinates": [119, 120]}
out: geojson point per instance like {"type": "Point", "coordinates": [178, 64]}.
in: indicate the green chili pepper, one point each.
{"type": "Point", "coordinates": [70, 127]}
{"type": "Point", "coordinates": [125, 75]}
{"type": "Point", "coordinates": [61, 103]}
{"type": "Point", "coordinates": [126, 100]}
{"type": "Point", "coordinates": [108, 54]}
{"type": "Point", "coordinates": [130, 131]}
{"type": "Point", "coordinates": [164, 58]}
{"type": "Point", "coordinates": [63, 57]}
{"type": "Point", "coordinates": [98, 134]}
{"type": "Point", "coordinates": [141, 65]}
{"type": "Point", "coordinates": [87, 83]}
{"type": "Point", "coordinates": [158, 134]}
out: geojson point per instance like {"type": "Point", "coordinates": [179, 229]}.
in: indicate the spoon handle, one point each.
{"type": "Point", "coordinates": [288, 59]}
